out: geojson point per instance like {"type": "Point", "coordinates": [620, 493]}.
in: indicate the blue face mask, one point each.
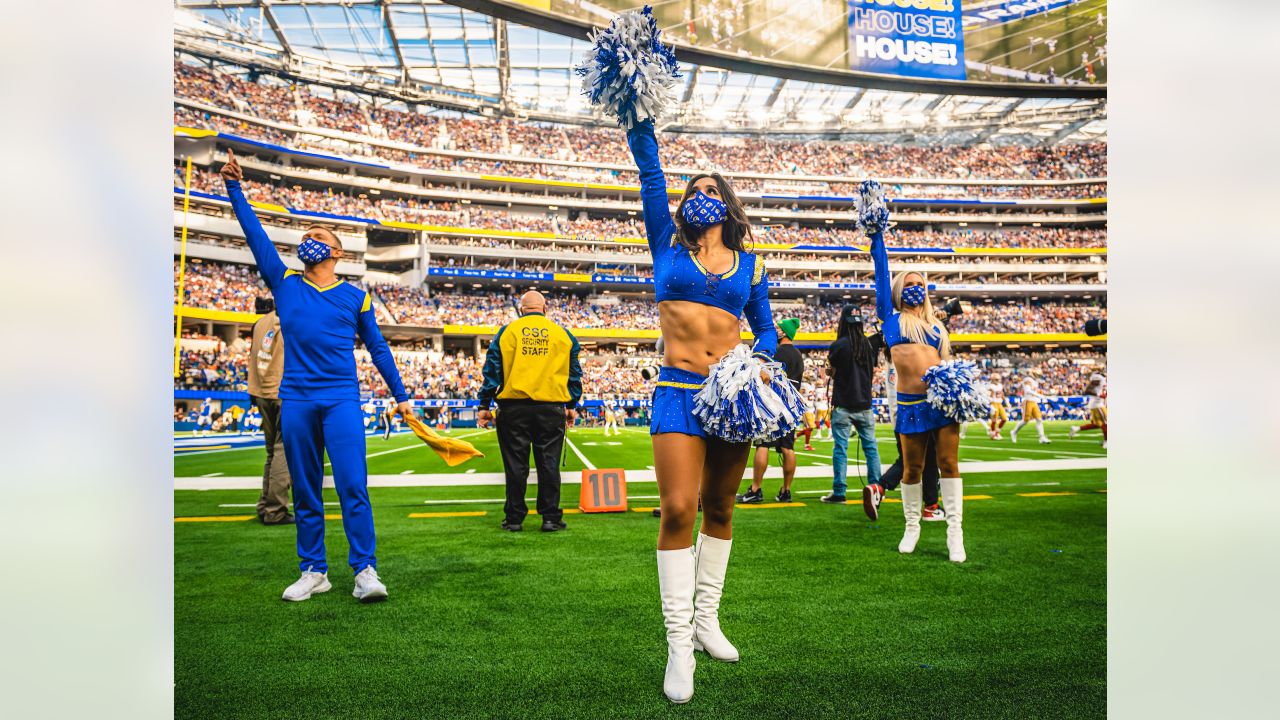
{"type": "Point", "coordinates": [312, 251]}
{"type": "Point", "coordinates": [913, 296]}
{"type": "Point", "coordinates": [702, 212]}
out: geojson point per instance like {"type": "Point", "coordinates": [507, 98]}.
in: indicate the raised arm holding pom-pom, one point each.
{"type": "Point", "coordinates": [712, 396]}
{"type": "Point", "coordinates": [934, 393]}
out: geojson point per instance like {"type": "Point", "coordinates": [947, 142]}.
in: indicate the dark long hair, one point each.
{"type": "Point", "coordinates": [863, 354]}
{"type": "Point", "coordinates": [736, 225]}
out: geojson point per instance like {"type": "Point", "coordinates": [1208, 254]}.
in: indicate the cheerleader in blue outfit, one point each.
{"type": "Point", "coordinates": [321, 317]}
{"type": "Point", "coordinates": [706, 281]}
{"type": "Point", "coordinates": [927, 387]}
{"type": "Point", "coordinates": [713, 396]}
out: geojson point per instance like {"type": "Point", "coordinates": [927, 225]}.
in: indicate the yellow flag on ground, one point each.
{"type": "Point", "coordinates": [451, 450]}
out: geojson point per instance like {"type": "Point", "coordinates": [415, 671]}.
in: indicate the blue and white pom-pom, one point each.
{"type": "Point", "coordinates": [955, 390]}
{"type": "Point", "coordinates": [870, 210]}
{"type": "Point", "coordinates": [628, 70]}
{"type": "Point", "coordinates": [736, 405]}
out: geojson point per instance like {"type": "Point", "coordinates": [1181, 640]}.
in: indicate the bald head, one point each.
{"type": "Point", "coordinates": [532, 301]}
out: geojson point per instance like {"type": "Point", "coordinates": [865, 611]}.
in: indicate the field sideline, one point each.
{"type": "Point", "coordinates": [830, 619]}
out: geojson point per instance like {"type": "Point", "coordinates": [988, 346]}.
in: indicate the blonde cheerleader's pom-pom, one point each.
{"type": "Point", "coordinates": [871, 211]}
{"type": "Point", "coordinates": [954, 389]}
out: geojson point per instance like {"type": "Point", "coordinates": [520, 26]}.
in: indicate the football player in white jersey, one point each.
{"type": "Point", "coordinates": [999, 416]}
{"type": "Point", "coordinates": [252, 421]}
{"type": "Point", "coordinates": [1096, 392]}
{"type": "Point", "coordinates": [1031, 398]}
{"type": "Point", "coordinates": [204, 418]}
{"type": "Point", "coordinates": [822, 409]}
{"type": "Point", "coordinates": [611, 416]}
{"type": "Point", "coordinates": [370, 414]}
{"type": "Point", "coordinates": [808, 396]}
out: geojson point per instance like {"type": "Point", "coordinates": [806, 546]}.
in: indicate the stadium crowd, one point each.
{"type": "Point", "coordinates": [305, 105]}
{"type": "Point", "coordinates": [431, 374]}
{"type": "Point", "coordinates": [219, 286]}
{"type": "Point", "coordinates": [477, 217]}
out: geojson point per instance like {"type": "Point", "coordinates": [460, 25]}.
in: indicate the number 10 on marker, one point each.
{"type": "Point", "coordinates": [603, 490]}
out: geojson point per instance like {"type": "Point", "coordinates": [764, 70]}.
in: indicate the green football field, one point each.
{"type": "Point", "coordinates": [830, 619]}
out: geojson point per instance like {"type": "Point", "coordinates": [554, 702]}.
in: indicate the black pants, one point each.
{"type": "Point", "coordinates": [892, 477]}
{"type": "Point", "coordinates": [540, 427]}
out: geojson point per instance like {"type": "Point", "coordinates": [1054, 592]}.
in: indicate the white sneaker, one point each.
{"type": "Point", "coordinates": [1013, 437]}
{"type": "Point", "coordinates": [307, 585]}
{"type": "Point", "coordinates": [368, 587]}
{"type": "Point", "coordinates": [1045, 441]}
{"type": "Point", "coordinates": [1071, 434]}
{"type": "Point", "coordinates": [1104, 444]}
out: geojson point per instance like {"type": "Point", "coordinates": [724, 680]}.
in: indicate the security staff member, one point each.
{"type": "Point", "coordinates": [266, 367]}
{"type": "Point", "coordinates": [532, 370]}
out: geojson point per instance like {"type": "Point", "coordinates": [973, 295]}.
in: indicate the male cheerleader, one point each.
{"type": "Point", "coordinates": [320, 315]}
{"type": "Point", "coordinates": [204, 418]}
{"type": "Point", "coordinates": [1096, 404]}
{"type": "Point", "coordinates": [998, 414]}
{"type": "Point", "coordinates": [1031, 398]}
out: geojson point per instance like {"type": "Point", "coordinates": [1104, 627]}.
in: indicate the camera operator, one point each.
{"type": "Point", "coordinates": [851, 362]}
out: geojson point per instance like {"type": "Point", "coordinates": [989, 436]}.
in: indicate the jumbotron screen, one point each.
{"type": "Point", "coordinates": [1041, 41]}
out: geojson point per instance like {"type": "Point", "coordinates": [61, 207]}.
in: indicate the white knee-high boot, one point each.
{"type": "Point", "coordinates": [676, 584]}
{"type": "Point", "coordinates": [712, 560]}
{"type": "Point", "coordinates": [912, 500]}
{"type": "Point", "coordinates": [953, 498]}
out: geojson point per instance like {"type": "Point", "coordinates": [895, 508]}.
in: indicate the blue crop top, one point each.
{"type": "Point", "coordinates": [741, 290]}
{"type": "Point", "coordinates": [890, 325]}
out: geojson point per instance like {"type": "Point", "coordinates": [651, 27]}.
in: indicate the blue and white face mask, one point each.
{"type": "Point", "coordinates": [913, 296]}
{"type": "Point", "coordinates": [702, 211]}
{"type": "Point", "coordinates": [312, 251]}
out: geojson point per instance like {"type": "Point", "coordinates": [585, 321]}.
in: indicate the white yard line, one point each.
{"type": "Point", "coordinates": [217, 474]}
{"type": "Point", "coordinates": [633, 476]}
{"type": "Point", "coordinates": [578, 452]}
{"type": "Point", "coordinates": [1021, 449]}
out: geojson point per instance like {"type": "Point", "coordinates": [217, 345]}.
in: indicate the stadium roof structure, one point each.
{"type": "Point", "coordinates": [431, 52]}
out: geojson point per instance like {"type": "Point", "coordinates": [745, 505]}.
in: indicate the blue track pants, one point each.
{"type": "Point", "coordinates": [310, 428]}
